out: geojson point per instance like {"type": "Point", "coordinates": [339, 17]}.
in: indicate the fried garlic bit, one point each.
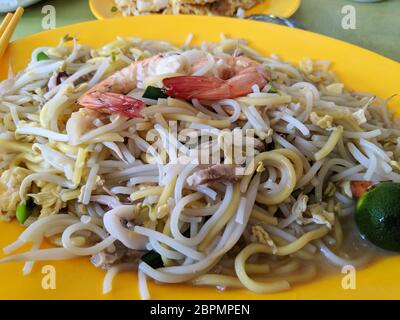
{"type": "Point", "coordinates": [306, 65]}
{"type": "Point", "coordinates": [325, 122]}
{"type": "Point", "coordinates": [49, 199]}
{"type": "Point", "coordinates": [260, 167]}
{"type": "Point", "coordinates": [316, 213]}
{"type": "Point", "coordinates": [300, 206]}
{"type": "Point", "coordinates": [258, 234]}
{"type": "Point", "coordinates": [335, 88]}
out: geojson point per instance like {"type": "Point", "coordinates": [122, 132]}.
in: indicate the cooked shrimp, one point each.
{"type": "Point", "coordinates": [236, 78]}
{"type": "Point", "coordinates": [358, 188]}
{"type": "Point", "coordinates": [226, 66]}
{"type": "Point", "coordinates": [109, 96]}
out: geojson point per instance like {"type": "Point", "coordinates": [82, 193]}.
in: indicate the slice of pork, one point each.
{"type": "Point", "coordinates": [215, 173]}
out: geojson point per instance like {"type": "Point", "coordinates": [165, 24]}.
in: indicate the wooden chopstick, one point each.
{"type": "Point", "coordinates": [5, 23]}
{"type": "Point", "coordinates": [7, 28]}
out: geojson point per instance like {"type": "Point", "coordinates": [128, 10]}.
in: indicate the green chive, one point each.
{"type": "Point", "coordinates": [24, 210]}
{"type": "Point", "coordinates": [42, 56]}
{"type": "Point", "coordinates": [270, 146]}
{"type": "Point", "coordinates": [154, 93]}
{"type": "Point", "coordinates": [273, 90]}
{"type": "Point", "coordinates": [113, 56]}
{"type": "Point", "coordinates": [186, 233]}
{"type": "Point", "coordinates": [153, 259]}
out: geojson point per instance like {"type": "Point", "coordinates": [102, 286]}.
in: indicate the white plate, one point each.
{"type": "Point", "coordinates": [11, 5]}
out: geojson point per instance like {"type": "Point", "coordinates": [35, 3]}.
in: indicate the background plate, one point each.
{"type": "Point", "coordinates": [358, 68]}
{"type": "Point", "coordinates": [282, 8]}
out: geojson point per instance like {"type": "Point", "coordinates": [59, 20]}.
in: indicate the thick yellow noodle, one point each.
{"type": "Point", "coordinates": [296, 160]}
{"type": "Point", "coordinates": [220, 124]}
{"type": "Point", "coordinates": [330, 144]}
{"type": "Point", "coordinates": [273, 284]}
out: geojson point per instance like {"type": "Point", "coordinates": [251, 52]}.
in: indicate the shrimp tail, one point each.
{"type": "Point", "coordinates": [109, 102]}
{"type": "Point", "coordinates": [189, 87]}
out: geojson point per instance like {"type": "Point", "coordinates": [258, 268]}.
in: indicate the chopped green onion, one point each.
{"type": "Point", "coordinates": [270, 146]}
{"type": "Point", "coordinates": [154, 93]}
{"type": "Point", "coordinates": [114, 56]}
{"type": "Point", "coordinates": [153, 259]}
{"type": "Point", "coordinates": [114, 9]}
{"type": "Point", "coordinates": [24, 210]}
{"type": "Point", "coordinates": [42, 56]}
{"type": "Point", "coordinates": [273, 90]}
{"type": "Point", "coordinates": [186, 233]}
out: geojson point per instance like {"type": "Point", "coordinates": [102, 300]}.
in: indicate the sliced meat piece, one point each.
{"type": "Point", "coordinates": [105, 260]}
{"type": "Point", "coordinates": [215, 173]}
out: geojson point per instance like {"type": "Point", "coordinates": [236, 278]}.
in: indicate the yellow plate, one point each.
{"type": "Point", "coordinates": [358, 68]}
{"type": "Point", "coordinates": [281, 8]}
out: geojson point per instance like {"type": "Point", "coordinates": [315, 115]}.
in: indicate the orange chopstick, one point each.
{"type": "Point", "coordinates": [7, 28]}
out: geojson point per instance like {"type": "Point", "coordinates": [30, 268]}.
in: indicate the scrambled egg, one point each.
{"type": "Point", "coordinates": [306, 65]}
{"type": "Point", "coordinates": [10, 181]}
{"type": "Point", "coordinates": [318, 215]}
{"type": "Point", "coordinates": [259, 235]}
{"type": "Point", "coordinates": [325, 122]}
{"type": "Point", "coordinates": [300, 206]}
{"type": "Point", "coordinates": [335, 88]}
{"type": "Point", "coordinates": [49, 199]}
